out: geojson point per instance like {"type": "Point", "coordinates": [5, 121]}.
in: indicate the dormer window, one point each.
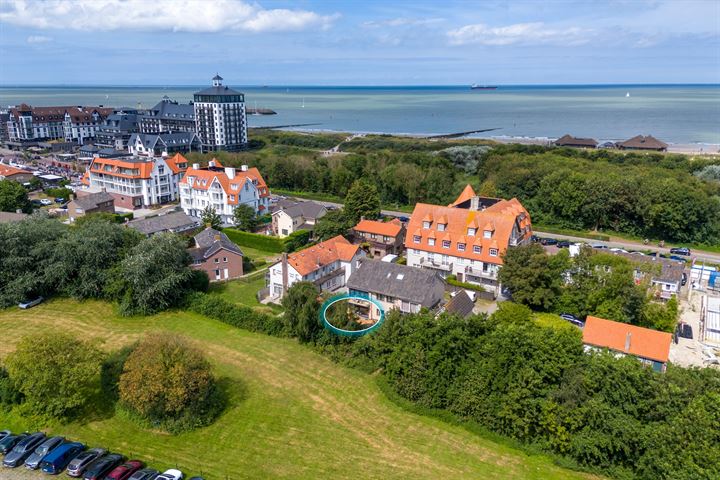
{"type": "Point", "coordinates": [446, 244]}
{"type": "Point", "coordinates": [234, 186]}
{"type": "Point", "coordinates": [477, 249]}
{"type": "Point", "coordinates": [441, 227]}
{"type": "Point", "coordinates": [493, 252]}
{"type": "Point", "coordinates": [416, 238]}
{"type": "Point", "coordinates": [487, 234]}
{"type": "Point", "coordinates": [426, 224]}
{"type": "Point", "coordinates": [461, 247]}
{"type": "Point", "coordinates": [431, 242]}
{"type": "Point", "coordinates": [471, 231]}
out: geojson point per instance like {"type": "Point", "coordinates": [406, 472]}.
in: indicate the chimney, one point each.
{"type": "Point", "coordinates": [230, 172]}
{"type": "Point", "coordinates": [243, 168]}
{"type": "Point", "coordinates": [211, 163]}
{"type": "Point", "coordinates": [475, 203]}
{"type": "Point", "coordinates": [196, 166]}
{"type": "Point", "coordinates": [284, 273]}
{"type": "Point", "coordinates": [628, 338]}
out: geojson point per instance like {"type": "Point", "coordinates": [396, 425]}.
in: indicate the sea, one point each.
{"type": "Point", "coordinates": [677, 114]}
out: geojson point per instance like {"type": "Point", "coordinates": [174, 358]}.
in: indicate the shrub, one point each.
{"type": "Point", "coordinates": [9, 394]}
{"type": "Point", "coordinates": [56, 373]}
{"type": "Point", "coordinates": [169, 383]}
{"type": "Point", "coordinates": [235, 315]}
{"type": "Point", "coordinates": [255, 240]}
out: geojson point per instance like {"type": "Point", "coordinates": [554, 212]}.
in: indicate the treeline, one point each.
{"type": "Point", "coordinates": [526, 381]}
{"type": "Point", "coordinates": [660, 196]}
{"type": "Point", "coordinates": [95, 258]}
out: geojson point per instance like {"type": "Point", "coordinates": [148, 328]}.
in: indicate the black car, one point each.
{"type": "Point", "coordinates": [684, 331]}
{"type": "Point", "coordinates": [5, 433]}
{"type": "Point", "coordinates": [9, 442]}
{"type": "Point", "coordinates": [684, 279]}
{"type": "Point", "coordinates": [23, 449]}
{"type": "Point", "coordinates": [548, 241]}
{"type": "Point", "coordinates": [102, 466]}
{"type": "Point", "coordinates": [563, 244]}
{"type": "Point", "coordinates": [77, 465]}
{"type": "Point", "coordinates": [144, 474]}
{"type": "Point", "coordinates": [680, 251]}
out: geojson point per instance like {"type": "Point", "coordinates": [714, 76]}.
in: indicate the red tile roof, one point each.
{"type": "Point", "coordinates": [389, 229]}
{"type": "Point", "coordinates": [465, 195]}
{"type": "Point", "coordinates": [629, 339]}
{"type": "Point", "coordinates": [8, 171]}
{"type": "Point", "coordinates": [177, 163]}
{"type": "Point", "coordinates": [121, 168]}
{"type": "Point", "coordinates": [500, 218]}
{"type": "Point", "coordinates": [57, 114]}
{"type": "Point", "coordinates": [308, 260]}
{"type": "Point", "coordinates": [202, 178]}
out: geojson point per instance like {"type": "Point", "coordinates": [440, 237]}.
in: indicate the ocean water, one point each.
{"type": "Point", "coordinates": [683, 114]}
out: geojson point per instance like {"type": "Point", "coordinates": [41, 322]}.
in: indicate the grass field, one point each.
{"type": "Point", "coordinates": [243, 292]}
{"type": "Point", "coordinates": [293, 413]}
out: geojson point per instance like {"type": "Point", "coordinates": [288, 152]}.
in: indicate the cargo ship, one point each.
{"type": "Point", "coordinates": [475, 86]}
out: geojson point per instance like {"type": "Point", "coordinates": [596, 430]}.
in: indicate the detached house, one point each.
{"type": "Point", "coordinates": [290, 216]}
{"type": "Point", "coordinates": [223, 189]}
{"type": "Point", "coordinates": [468, 237]}
{"type": "Point", "coordinates": [383, 238]}
{"type": "Point", "coordinates": [8, 172]}
{"type": "Point", "coordinates": [328, 265]}
{"type": "Point", "coordinates": [216, 255]}
{"type": "Point", "coordinates": [649, 346]}
{"type": "Point", "coordinates": [87, 203]}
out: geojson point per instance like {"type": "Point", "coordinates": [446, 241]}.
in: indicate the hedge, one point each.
{"type": "Point", "coordinates": [255, 240]}
{"type": "Point", "coordinates": [571, 233]}
{"type": "Point", "coordinates": [236, 315]}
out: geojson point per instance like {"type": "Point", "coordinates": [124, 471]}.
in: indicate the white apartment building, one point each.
{"type": "Point", "coordinates": [328, 265]}
{"type": "Point", "coordinates": [223, 189]}
{"type": "Point", "coordinates": [137, 182]}
{"type": "Point", "coordinates": [220, 117]}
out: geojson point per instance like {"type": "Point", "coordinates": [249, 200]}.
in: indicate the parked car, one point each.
{"type": "Point", "coordinates": [36, 202]}
{"type": "Point", "coordinates": [171, 474]}
{"type": "Point", "coordinates": [46, 202]}
{"type": "Point", "coordinates": [684, 330]}
{"type": "Point", "coordinates": [102, 466]}
{"type": "Point", "coordinates": [196, 478]}
{"type": "Point", "coordinates": [563, 244]}
{"type": "Point", "coordinates": [58, 460]}
{"type": "Point", "coordinates": [5, 433]}
{"type": "Point", "coordinates": [572, 319]}
{"type": "Point", "coordinates": [124, 471]}
{"type": "Point", "coordinates": [599, 246]}
{"type": "Point", "coordinates": [684, 279]}
{"type": "Point", "coordinates": [144, 474]}
{"type": "Point", "coordinates": [33, 461]}
{"type": "Point", "coordinates": [548, 241]}
{"type": "Point", "coordinates": [404, 219]}
{"type": "Point", "coordinates": [680, 251]}
{"type": "Point", "coordinates": [59, 200]}
{"type": "Point", "coordinates": [78, 464]}
{"type": "Point", "coordinates": [678, 259]}
{"type": "Point", "coordinates": [9, 442]}
{"type": "Point", "coordinates": [31, 303]}
{"type": "Point", "coordinates": [23, 449]}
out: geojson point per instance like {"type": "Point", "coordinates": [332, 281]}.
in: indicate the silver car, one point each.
{"type": "Point", "coordinates": [78, 464]}
{"type": "Point", "coordinates": [33, 461]}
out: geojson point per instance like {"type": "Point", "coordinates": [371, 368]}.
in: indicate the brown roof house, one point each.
{"type": "Point", "coordinates": [643, 142]}
{"type": "Point", "coordinates": [91, 203]}
{"type": "Point", "coordinates": [216, 255]}
{"type": "Point", "coordinates": [19, 175]}
{"type": "Point", "coordinates": [570, 141]}
{"type": "Point", "coordinates": [383, 238]}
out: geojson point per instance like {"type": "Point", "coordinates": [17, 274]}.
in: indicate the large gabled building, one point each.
{"type": "Point", "coordinates": [223, 189]}
{"type": "Point", "coordinates": [168, 116]}
{"type": "Point", "coordinates": [468, 237]}
{"type": "Point", "coordinates": [76, 124]}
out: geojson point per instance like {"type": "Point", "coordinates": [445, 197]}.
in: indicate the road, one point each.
{"type": "Point", "coordinates": [707, 257]}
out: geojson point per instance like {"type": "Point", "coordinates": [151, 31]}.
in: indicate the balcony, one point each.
{"type": "Point", "coordinates": [479, 272]}
{"type": "Point", "coordinates": [337, 272]}
{"type": "Point", "coordinates": [427, 263]}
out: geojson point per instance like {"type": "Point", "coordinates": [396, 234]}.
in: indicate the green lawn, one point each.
{"type": "Point", "coordinates": [293, 413]}
{"type": "Point", "coordinates": [242, 292]}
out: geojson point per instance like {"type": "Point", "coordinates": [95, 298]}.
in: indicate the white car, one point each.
{"type": "Point", "coordinates": [171, 474]}
{"type": "Point", "coordinates": [46, 202]}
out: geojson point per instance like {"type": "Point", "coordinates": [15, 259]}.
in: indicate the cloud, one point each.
{"type": "Point", "coordinates": [159, 15]}
{"type": "Point", "coordinates": [401, 22]}
{"type": "Point", "coordinates": [519, 34]}
{"type": "Point", "coordinates": [38, 39]}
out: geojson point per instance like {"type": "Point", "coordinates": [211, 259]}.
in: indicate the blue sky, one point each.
{"type": "Point", "coordinates": [363, 42]}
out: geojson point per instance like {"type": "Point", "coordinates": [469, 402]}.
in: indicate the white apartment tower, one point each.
{"type": "Point", "coordinates": [220, 119]}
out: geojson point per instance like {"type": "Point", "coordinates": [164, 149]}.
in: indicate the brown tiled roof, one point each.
{"type": "Point", "coordinates": [465, 195]}
{"type": "Point", "coordinates": [389, 229]}
{"type": "Point", "coordinates": [7, 171]}
{"type": "Point", "coordinates": [570, 141]}
{"type": "Point", "coordinates": [324, 253]}
{"type": "Point", "coordinates": [626, 338]}
{"type": "Point", "coordinates": [644, 143]}
{"type": "Point", "coordinates": [78, 114]}
{"type": "Point", "coordinates": [202, 178]}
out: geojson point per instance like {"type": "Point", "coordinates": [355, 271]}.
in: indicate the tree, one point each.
{"type": "Point", "coordinates": [245, 218]}
{"type": "Point", "coordinates": [210, 218]}
{"type": "Point", "coordinates": [332, 224]}
{"type": "Point", "coordinates": [297, 240]}
{"type": "Point", "coordinates": [362, 200]}
{"type": "Point", "coordinates": [168, 381]}
{"type": "Point", "coordinates": [659, 316]}
{"type": "Point", "coordinates": [13, 196]}
{"type": "Point", "coordinates": [532, 276]}
{"type": "Point", "coordinates": [154, 276]}
{"type": "Point", "coordinates": [57, 374]}
{"type": "Point", "coordinates": [301, 311]}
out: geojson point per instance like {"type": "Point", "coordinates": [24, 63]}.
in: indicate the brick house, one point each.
{"type": "Point", "coordinates": [87, 203]}
{"type": "Point", "coordinates": [383, 238]}
{"type": "Point", "coordinates": [19, 175]}
{"type": "Point", "coordinates": [216, 255]}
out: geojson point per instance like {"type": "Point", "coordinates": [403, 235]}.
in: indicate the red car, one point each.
{"type": "Point", "coordinates": [124, 471]}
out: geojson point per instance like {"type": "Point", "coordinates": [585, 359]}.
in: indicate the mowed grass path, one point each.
{"type": "Point", "coordinates": [293, 413]}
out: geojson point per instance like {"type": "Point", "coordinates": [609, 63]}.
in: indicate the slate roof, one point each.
{"type": "Point", "coordinates": [91, 201]}
{"type": "Point", "coordinates": [415, 285]}
{"type": "Point", "coordinates": [150, 140]}
{"type": "Point", "coordinates": [308, 210]}
{"type": "Point", "coordinates": [209, 242]}
{"type": "Point", "coordinates": [170, 222]}
{"type": "Point", "coordinates": [170, 110]}
{"type": "Point", "coordinates": [670, 270]}
{"type": "Point", "coordinates": [221, 90]}
{"type": "Point", "coordinates": [461, 304]}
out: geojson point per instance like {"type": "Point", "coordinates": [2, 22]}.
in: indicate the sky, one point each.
{"type": "Point", "coordinates": [358, 42]}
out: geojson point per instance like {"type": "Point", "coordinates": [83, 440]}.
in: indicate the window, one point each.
{"type": "Point", "coordinates": [431, 242]}
{"type": "Point", "coordinates": [217, 260]}
{"type": "Point", "coordinates": [416, 238]}
{"type": "Point", "coordinates": [477, 249]}
{"type": "Point", "coordinates": [446, 244]}
{"type": "Point", "coordinates": [471, 231]}
{"type": "Point", "coordinates": [441, 227]}
{"type": "Point", "coordinates": [461, 247]}
{"type": "Point", "coordinates": [232, 198]}
{"type": "Point", "coordinates": [426, 224]}
{"type": "Point", "coordinates": [373, 236]}
{"type": "Point", "coordinates": [224, 259]}
{"type": "Point", "coordinates": [487, 234]}
{"type": "Point", "coordinates": [493, 252]}
{"type": "Point", "coordinates": [386, 239]}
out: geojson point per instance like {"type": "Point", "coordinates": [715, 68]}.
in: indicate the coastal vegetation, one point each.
{"type": "Point", "coordinates": [649, 195]}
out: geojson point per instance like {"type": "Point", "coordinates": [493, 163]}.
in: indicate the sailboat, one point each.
{"type": "Point", "coordinates": [303, 103]}
{"type": "Point", "coordinates": [627, 94]}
